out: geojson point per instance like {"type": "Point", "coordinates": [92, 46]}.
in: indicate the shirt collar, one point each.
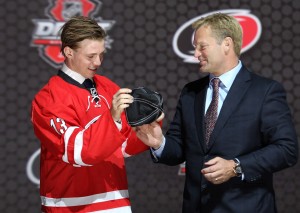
{"type": "Point", "coordinates": [228, 77]}
{"type": "Point", "coordinates": [74, 75]}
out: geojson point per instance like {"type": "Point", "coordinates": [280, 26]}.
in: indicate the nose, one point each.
{"type": "Point", "coordinates": [97, 61]}
{"type": "Point", "coordinates": [197, 53]}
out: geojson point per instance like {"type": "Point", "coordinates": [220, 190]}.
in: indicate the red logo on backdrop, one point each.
{"type": "Point", "coordinates": [46, 33]}
{"type": "Point", "coordinates": [183, 38]}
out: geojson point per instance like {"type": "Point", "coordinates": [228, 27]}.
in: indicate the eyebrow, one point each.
{"type": "Point", "coordinates": [102, 53]}
{"type": "Point", "coordinates": [200, 44]}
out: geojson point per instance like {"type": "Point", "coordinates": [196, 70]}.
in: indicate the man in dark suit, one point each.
{"type": "Point", "coordinates": [233, 132]}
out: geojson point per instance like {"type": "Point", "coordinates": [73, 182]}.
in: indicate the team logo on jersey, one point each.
{"type": "Point", "coordinates": [46, 33]}
{"type": "Point", "coordinates": [183, 38]}
{"type": "Point", "coordinates": [94, 98]}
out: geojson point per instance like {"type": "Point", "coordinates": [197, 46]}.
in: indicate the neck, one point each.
{"type": "Point", "coordinates": [227, 66]}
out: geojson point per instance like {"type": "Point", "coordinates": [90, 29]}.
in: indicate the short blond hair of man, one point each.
{"type": "Point", "coordinates": [79, 28]}
{"type": "Point", "coordinates": [222, 26]}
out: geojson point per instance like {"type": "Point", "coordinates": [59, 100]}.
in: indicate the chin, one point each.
{"type": "Point", "coordinates": [92, 72]}
{"type": "Point", "coordinates": [202, 69]}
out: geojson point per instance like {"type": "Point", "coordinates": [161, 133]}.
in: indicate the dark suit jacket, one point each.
{"type": "Point", "coordinates": [254, 125]}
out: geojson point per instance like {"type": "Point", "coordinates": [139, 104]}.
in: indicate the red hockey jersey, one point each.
{"type": "Point", "coordinates": [82, 165]}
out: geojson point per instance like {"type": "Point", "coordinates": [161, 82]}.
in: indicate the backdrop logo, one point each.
{"type": "Point", "coordinates": [183, 38]}
{"type": "Point", "coordinates": [46, 33]}
{"type": "Point", "coordinates": [32, 167]}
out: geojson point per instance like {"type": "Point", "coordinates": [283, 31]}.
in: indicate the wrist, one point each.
{"type": "Point", "coordinates": [158, 145]}
{"type": "Point", "coordinates": [117, 119]}
{"type": "Point", "coordinates": [237, 169]}
{"type": "Point", "coordinates": [115, 116]}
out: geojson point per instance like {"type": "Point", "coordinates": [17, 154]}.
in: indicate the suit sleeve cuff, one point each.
{"type": "Point", "coordinates": [157, 152]}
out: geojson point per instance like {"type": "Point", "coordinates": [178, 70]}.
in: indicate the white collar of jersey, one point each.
{"type": "Point", "coordinates": [74, 75]}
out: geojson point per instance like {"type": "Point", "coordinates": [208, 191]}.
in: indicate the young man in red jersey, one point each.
{"type": "Point", "coordinates": [78, 118]}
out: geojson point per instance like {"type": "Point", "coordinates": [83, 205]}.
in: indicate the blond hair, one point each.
{"type": "Point", "coordinates": [222, 26]}
{"type": "Point", "coordinates": [79, 28]}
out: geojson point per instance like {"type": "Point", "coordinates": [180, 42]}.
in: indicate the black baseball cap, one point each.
{"type": "Point", "coordinates": [146, 107]}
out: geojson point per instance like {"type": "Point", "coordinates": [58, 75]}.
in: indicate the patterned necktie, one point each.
{"type": "Point", "coordinates": [212, 111]}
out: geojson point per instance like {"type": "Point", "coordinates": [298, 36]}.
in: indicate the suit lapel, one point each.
{"type": "Point", "coordinates": [199, 110]}
{"type": "Point", "coordinates": [232, 100]}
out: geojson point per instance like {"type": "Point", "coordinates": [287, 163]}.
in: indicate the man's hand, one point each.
{"type": "Point", "coordinates": [121, 100]}
{"type": "Point", "coordinates": [218, 170]}
{"type": "Point", "coordinates": [151, 134]}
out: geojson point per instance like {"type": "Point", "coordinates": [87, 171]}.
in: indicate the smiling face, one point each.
{"type": "Point", "coordinates": [217, 40]}
{"type": "Point", "coordinates": [86, 58]}
{"type": "Point", "coordinates": [210, 53]}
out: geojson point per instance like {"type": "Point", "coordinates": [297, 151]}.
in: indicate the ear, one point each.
{"type": "Point", "coordinates": [228, 44]}
{"type": "Point", "coordinates": [68, 52]}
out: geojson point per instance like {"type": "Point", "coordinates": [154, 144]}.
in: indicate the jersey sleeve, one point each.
{"type": "Point", "coordinates": [134, 145]}
{"type": "Point", "coordinates": [57, 126]}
